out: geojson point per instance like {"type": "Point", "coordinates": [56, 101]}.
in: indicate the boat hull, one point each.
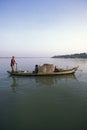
{"type": "Point", "coordinates": [26, 73]}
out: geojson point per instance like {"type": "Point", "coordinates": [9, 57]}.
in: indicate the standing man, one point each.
{"type": "Point", "coordinates": [12, 63]}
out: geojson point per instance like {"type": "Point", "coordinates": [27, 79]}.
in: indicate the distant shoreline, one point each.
{"type": "Point", "coordinates": [76, 55]}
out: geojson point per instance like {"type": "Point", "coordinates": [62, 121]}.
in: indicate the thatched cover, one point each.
{"type": "Point", "coordinates": [46, 68]}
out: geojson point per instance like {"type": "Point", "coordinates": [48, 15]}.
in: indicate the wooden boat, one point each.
{"type": "Point", "coordinates": [60, 72]}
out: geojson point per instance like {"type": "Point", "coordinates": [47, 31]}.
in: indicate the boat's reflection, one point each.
{"type": "Point", "coordinates": [52, 80]}
{"type": "Point", "coordinates": [40, 81]}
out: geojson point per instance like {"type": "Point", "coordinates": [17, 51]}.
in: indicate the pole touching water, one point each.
{"type": "Point", "coordinates": [16, 66]}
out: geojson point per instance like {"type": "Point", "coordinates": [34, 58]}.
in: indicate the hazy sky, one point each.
{"type": "Point", "coordinates": [43, 27]}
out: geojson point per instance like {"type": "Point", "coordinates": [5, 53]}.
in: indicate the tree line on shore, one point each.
{"type": "Point", "coordinates": [76, 55]}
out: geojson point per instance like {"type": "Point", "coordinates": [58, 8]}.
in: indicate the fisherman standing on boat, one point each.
{"type": "Point", "coordinates": [12, 63]}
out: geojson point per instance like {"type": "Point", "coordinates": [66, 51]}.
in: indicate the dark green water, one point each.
{"type": "Point", "coordinates": [43, 102]}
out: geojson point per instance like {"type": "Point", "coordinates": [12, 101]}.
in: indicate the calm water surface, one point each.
{"type": "Point", "coordinates": [58, 102]}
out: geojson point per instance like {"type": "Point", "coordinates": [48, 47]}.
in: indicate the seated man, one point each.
{"type": "Point", "coordinates": [56, 69]}
{"type": "Point", "coordinates": [36, 68]}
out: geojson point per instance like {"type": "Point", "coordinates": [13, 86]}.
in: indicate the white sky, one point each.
{"type": "Point", "coordinates": [43, 27]}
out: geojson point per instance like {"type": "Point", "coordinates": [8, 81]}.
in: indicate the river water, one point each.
{"type": "Point", "coordinates": [57, 102]}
